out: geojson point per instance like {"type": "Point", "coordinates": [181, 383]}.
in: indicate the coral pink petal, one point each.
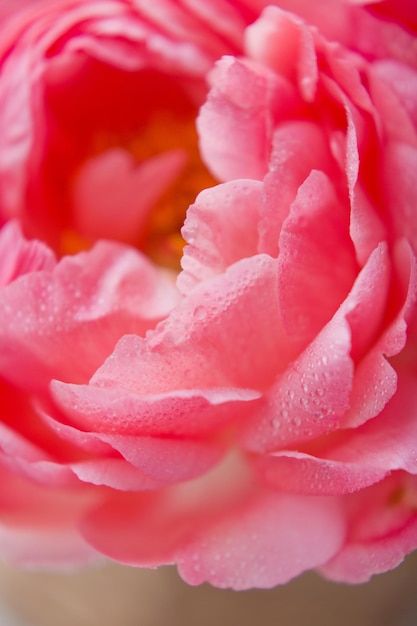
{"type": "Point", "coordinates": [298, 472]}
{"type": "Point", "coordinates": [28, 502]}
{"type": "Point", "coordinates": [143, 462]}
{"type": "Point", "coordinates": [367, 229]}
{"type": "Point", "coordinates": [375, 378]}
{"type": "Point", "coordinates": [88, 300]}
{"type": "Point", "coordinates": [282, 41]}
{"type": "Point", "coordinates": [221, 228]}
{"type": "Point", "coordinates": [399, 188]}
{"type": "Point", "coordinates": [365, 305]}
{"type": "Point", "coordinates": [265, 543]}
{"type": "Point", "coordinates": [113, 180]}
{"type": "Point", "coordinates": [114, 473]}
{"type": "Point", "coordinates": [358, 562]}
{"type": "Point", "coordinates": [403, 81]}
{"type": "Point", "coordinates": [309, 399]}
{"type": "Point", "coordinates": [385, 441]}
{"type": "Point", "coordinates": [353, 459]}
{"type": "Point", "coordinates": [19, 256]}
{"type": "Point", "coordinates": [178, 413]}
{"type": "Point", "coordinates": [233, 118]}
{"type": "Point", "coordinates": [298, 147]}
{"type": "Point", "coordinates": [148, 528]}
{"type": "Point", "coordinates": [43, 472]}
{"type": "Point", "coordinates": [221, 16]}
{"type": "Point", "coordinates": [137, 529]}
{"type": "Point", "coordinates": [382, 530]}
{"type": "Point", "coordinates": [168, 460]}
{"type": "Point", "coordinates": [316, 230]}
{"type": "Point", "coordinates": [226, 333]}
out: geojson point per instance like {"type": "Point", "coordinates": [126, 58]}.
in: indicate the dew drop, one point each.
{"type": "Point", "coordinates": [276, 424]}
{"type": "Point", "coordinates": [200, 312]}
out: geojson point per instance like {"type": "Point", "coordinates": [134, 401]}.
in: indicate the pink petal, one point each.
{"type": "Point", "coordinates": [399, 188]}
{"type": "Point", "coordinates": [375, 379]}
{"type": "Point", "coordinates": [382, 530]}
{"type": "Point", "coordinates": [119, 453]}
{"type": "Point", "coordinates": [298, 147]}
{"type": "Point", "coordinates": [283, 42]}
{"type": "Point", "coordinates": [112, 180]}
{"type": "Point", "coordinates": [148, 529]}
{"type": "Point", "coordinates": [88, 300]}
{"type": "Point", "coordinates": [309, 399]}
{"type": "Point", "coordinates": [298, 472]}
{"type": "Point", "coordinates": [115, 473]}
{"type": "Point", "coordinates": [264, 543]}
{"type": "Point", "coordinates": [225, 334]}
{"type": "Point", "coordinates": [311, 287]}
{"type": "Point", "coordinates": [220, 229]}
{"type": "Point", "coordinates": [356, 458]}
{"type": "Point", "coordinates": [23, 500]}
{"type": "Point", "coordinates": [237, 114]}
{"type": "Point", "coordinates": [177, 413]}
{"type": "Point", "coordinates": [168, 460]}
{"type": "Point", "coordinates": [19, 256]}
{"type": "Point", "coordinates": [367, 229]}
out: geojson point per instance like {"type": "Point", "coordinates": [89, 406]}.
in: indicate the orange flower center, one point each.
{"type": "Point", "coordinates": [165, 124]}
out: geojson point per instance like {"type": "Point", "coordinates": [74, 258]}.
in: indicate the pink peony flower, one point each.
{"type": "Point", "coordinates": [255, 416]}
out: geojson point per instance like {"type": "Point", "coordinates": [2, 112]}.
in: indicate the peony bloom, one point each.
{"type": "Point", "coordinates": [254, 415]}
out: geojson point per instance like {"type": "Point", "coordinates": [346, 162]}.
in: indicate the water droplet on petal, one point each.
{"type": "Point", "coordinates": [200, 312]}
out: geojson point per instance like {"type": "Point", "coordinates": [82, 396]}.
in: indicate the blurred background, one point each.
{"type": "Point", "coordinates": [117, 595]}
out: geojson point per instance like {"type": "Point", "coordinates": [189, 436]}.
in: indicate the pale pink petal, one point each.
{"type": "Point", "coordinates": [49, 547]}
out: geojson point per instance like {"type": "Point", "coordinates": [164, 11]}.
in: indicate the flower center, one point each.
{"type": "Point", "coordinates": [133, 164]}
